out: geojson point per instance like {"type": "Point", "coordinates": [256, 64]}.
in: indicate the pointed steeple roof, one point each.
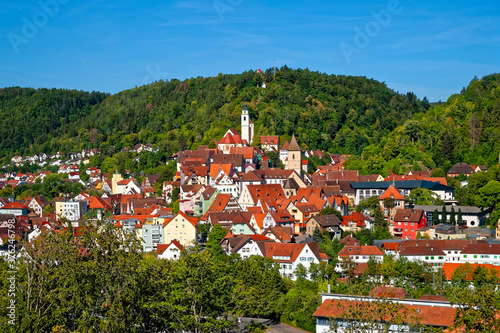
{"type": "Point", "coordinates": [293, 144]}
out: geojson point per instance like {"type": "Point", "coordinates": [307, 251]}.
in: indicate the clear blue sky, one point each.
{"type": "Point", "coordinates": [432, 48]}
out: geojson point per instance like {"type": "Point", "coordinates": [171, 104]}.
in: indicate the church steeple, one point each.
{"type": "Point", "coordinates": [293, 144]}
{"type": "Point", "coordinates": [246, 125]}
{"type": "Point", "coordinates": [294, 156]}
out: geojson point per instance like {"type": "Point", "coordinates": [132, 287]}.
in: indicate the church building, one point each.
{"type": "Point", "coordinates": [247, 128]}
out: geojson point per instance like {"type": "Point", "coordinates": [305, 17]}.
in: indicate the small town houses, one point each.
{"type": "Point", "coordinates": [267, 211]}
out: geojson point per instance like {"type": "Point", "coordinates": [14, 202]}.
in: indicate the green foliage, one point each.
{"type": "Point", "coordinates": [343, 114]}
{"type": "Point", "coordinates": [258, 286]}
{"type": "Point", "coordinates": [476, 294]}
{"type": "Point", "coordinates": [423, 196]}
{"type": "Point", "coordinates": [214, 237]}
{"type": "Point", "coordinates": [465, 128]}
{"type": "Point", "coordinates": [330, 211]}
{"type": "Point", "coordinates": [298, 305]}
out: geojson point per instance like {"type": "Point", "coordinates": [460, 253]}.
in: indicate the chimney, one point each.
{"type": "Point", "coordinates": [329, 288]}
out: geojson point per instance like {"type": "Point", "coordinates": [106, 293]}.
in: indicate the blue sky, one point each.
{"type": "Point", "coordinates": [432, 48]}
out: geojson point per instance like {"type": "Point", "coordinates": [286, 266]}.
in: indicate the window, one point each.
{"type": "Point", "coordinates": [465, 256]}
{"type": "Point", "coordinates": [426, 258]}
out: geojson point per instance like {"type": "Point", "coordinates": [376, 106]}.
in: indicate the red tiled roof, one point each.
{"type": "Point", "coordinates": [428, 315]}
{"type": "Point", "coordinates": [355, 217]}
{"type": "Point", "coordinates": [391, 192]}
{"type": "Point", "coordinates": [160, 248]}
{"type": "Point", "coordinates": [357, 250]}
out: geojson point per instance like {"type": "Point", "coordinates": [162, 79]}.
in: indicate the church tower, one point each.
{"type": "Point", "coordinates": [294, 156]}
{"type": "Point", "coordinates": [246, 125]}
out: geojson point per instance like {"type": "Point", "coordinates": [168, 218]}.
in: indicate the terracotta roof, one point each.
{"type": "Point", "coordinates": [215, 168]}
{"type": "Point", "coordinates": [220, 202]}
{"type": "Point", "coordinates": [459, 168]}
{"type": "Point", "coordinates": [14, 205]}
{"type": "Point", "coordinates": [290, 250]}
{"type": "Point", "coordinates": [408, 215]}
{"type": "Point", "coordinates": [265, 191]}
{"type": "Point", "coordinates": [283, 234]}
{"type": "Point", "coordinates": [306, 208]}
{"type": "Point", "coordinates": [391, 192]}
{"type": "Point", "coordinates": [247, 152]}
{"type": "Point", "coordinates": [251, 176]}
{"type": "Point", "coordinates": [160, 248]}
{"type": "Point", "coordinates": [349, 240]}
{"type": "Point", "coordinates": [269, 139]}
{"type": "Point", "coordinates": [99, 203]}
{"type": "Point", "coordinates": [327, 220]}
{"type": "Point", "coordinates": [356, 217]}
{"type": "Point", "coordinates": [449, 268]}
{"type": "Point", "coordinates": [428, 315]}
{"type": "Point", "coordinates": [421, 251]}
{"type": "Point", "coordinates": [390, 246]}
{"type": "Point", "coordinates": [482, 248]}
{"type": "Point", "coordinates": [357, 250]}
{"type": "Point", "coordinates": [388, 292]}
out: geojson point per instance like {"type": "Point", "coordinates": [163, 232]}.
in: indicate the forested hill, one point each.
{"type": "Point", "coordinates": [464, 129]}
{"type": "Point", "coordinates": [341, 114]}
{"type": "Point", "coordinates": [30, 118]}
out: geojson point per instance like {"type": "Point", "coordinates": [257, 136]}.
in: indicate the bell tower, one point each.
{"type": "Point", "coordinates": [245, 125]}
{"type": "Point", "coordinates": [294, 156]}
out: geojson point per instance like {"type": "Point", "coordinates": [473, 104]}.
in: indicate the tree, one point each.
{"type": "Point", "coordinates": [489, 195]}
{"type": "Point", "coordinates": [478, 305]}
{"type": "Point", "coordinates": [258, 286]}
{"type": "Point", "coordinates": [443, 215]}
{"type": "Point", "coordinates": [300, 272]}
{"type": "Point", "coordinates": [274, 158]}
{"type": "Point", "coordinates": [452, 216]}
{"type": "Point", "coordinates": [460, 220]}
{"type": "Point", "coordinates": [317, 235]}
{"type": "Point", "coordinates": [348, 265]}
{"type": "Point", "coordinates": [216, 235]}
{"type": "Point", "coordinates": [435, 217]}
{"type": "Point", "coordinates": [330, 211]}
{"type": "Point", "coordinates": [423, 196]}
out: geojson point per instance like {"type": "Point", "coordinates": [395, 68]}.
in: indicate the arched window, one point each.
{"type": "Point", "coordinates": [244, 118]}
{"type": "Point", "coordinates": [293, 156]}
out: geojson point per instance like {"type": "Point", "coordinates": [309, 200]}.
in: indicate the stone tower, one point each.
{"type": "Point", "coordinates": [294, 156]}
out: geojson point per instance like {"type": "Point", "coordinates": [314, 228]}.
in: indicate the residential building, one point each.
{"type": "Point", "coordinates": [407, 222]}
{"type": "Point", "coordinates": [365, 190]}
{"type": "Point", "coordinates": [180, 227]}
{"type": "Point", "coordinates": [170, 251]}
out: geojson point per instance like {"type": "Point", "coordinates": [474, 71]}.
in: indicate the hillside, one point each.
{"type": "Point", "coordinates": [341, 114]}
{"type": "Point", "coordinates": [464, 129]}
{"type": "Point", "coordinates": [30, 118]}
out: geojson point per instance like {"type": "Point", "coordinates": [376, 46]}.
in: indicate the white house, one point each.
{"type": "Point", "coordinates": [171, 251]}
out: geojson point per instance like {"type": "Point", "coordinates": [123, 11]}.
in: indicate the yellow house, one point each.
{"type": "Point", "coordinates": [301, 213]}
{"type": "Point", "coordinates": [180, 227]}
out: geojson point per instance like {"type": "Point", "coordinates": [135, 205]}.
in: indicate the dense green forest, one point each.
{"type": "Point", "coordinates": [464, 129]}
{"type": "Point", "coordinates": [382, 129]}
{"type": "Point", "coordinates": [30, 118]}
{"type": "Point", "coordinates": [339, 114]}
